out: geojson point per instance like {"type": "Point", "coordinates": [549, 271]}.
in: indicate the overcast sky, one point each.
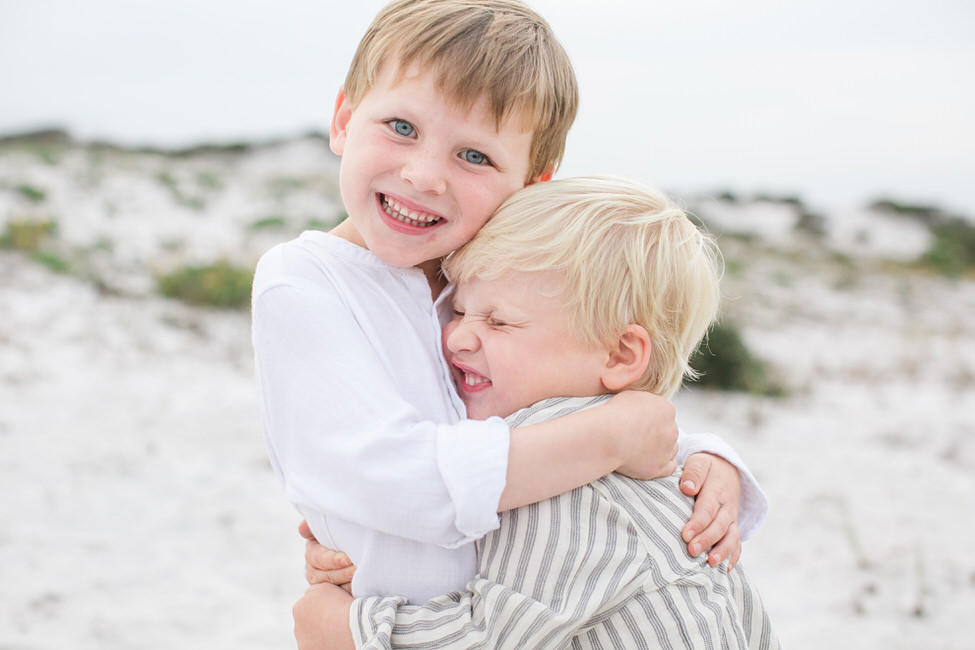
{"type": "Point", "coordinates": [839, 101]}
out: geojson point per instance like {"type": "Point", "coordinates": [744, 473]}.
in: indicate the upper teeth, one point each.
{"type": "Point", "coordinates": [473, 380]}
{"type": "Point", "coordinates": [397, 211]}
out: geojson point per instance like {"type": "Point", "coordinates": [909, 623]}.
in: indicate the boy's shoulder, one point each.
{"type": "Point", "coordinates": [310, 244]}
{"type": "Point", "coordinates": [312, 256]}
{"type": "Point", "coordinates": [645, 516]}
{"type": "Point", "coordinates": [655, 506]}
{"type": "Point", "coordinates": [654, 513]}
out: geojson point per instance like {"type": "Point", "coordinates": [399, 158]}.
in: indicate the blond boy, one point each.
{"type": "Point", "coordinates": [449, 107]}
{"type": "Point", "coordinates": [575, 290]}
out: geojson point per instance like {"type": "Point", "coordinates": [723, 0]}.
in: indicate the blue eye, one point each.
{"type": "Point", "coordinates": [475, 157]}
{"type": "Point", "coordinates": [402, 127]}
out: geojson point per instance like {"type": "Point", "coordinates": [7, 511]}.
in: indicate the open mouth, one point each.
{"type": "Point", "coordinates": [474, 380]}
{"type": "Point", "coordinates": [467, 379]}
{"type": "Point", "coordinates": [401, 213]}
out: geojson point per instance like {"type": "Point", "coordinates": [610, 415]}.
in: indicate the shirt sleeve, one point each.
{"type": "Point", "coordinates": [345, 440]}
{"type": "Point", "coordinates": [753, 503]}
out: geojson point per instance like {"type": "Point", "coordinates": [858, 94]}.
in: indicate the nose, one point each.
{"type": "Point", "coordinates": [424, 171]}
{"type": "Point", "coordinates": [459, 336]}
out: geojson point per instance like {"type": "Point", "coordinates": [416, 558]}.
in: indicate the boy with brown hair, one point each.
{"type": "Point", "coordinates": [450, 106]}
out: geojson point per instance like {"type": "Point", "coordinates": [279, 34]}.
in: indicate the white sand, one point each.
{"type": "Point", "coordinates": [138, 510]}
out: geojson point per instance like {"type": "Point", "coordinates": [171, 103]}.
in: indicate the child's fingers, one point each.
{"type": "Point", "coordinates": [705, 512]}
{"type": "Point", "coordinates": [735, 556]}
{"type": "Point", "coordinates": [339, 577]}
{"type": "Point", "coordinates": [721, 525]}
{"type": "Point", "coordinates": [728, 548]}
{"type": "Point", "coordinates": [696, 469]}
{"type": "Point", "coordinates": [305, 530]}
{"type": "Point", "coordinates": [325, 565]}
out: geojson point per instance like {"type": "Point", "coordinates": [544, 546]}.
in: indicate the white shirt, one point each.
{"type": "Point", "coordinates": [602, 566]}
{"type": "Point", "coordinates": [364, 428]}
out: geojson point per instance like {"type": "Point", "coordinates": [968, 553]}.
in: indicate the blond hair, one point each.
{"type": "Point", "coordinates": [500, 51]}
{"type": "Point", "coordinates": [626, 254]}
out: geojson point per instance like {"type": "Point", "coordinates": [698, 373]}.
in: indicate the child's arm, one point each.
{"type": "Point", "coordinates": [561, 588]}
{"type": "Point", "coordinates": [341, 427]}
{"type": "Point", "coordinates": [590, 444]}
{"type": "Point", "coordinates": [346, 438]}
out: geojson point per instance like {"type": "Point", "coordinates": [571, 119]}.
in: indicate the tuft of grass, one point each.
{"type": "Point", "coordinates": [31, 193]}
{"type": "Point", "coordinates": [47, 145]}
{"type": "Point", "coordinates": [27, 234]}
{"type": "Point", "coordinates": [284, 185]}
{"type": "Point", "coordinates": [209, 180]}
{"type": "Point", "coordinates": [952, 253]}
{"type": "Point", "coordinates": [725, 363]}
{"type": "Point", "coordinates": [269, 223]}
{"type": "Point", "coordinates": [734, 267]}
{"type": "Point", "coordinates": [169, 182]}
{"type": "Point", "coordinates": [321, 224]}
{"type": "Point", "coordinates": [786, 199]}
{"type": "Point", "coordinates": [811, 223]}
{"type": "Point", "coordinates": [728, 196]}
{"type": "Point", "coordinates": [51, 261]}
{"type": "Point", "coordinates": [928, 214]}
{"type": "Point", "coordinates": [205, 149]}
{"type": "Point", "coordinates": [222, 285]}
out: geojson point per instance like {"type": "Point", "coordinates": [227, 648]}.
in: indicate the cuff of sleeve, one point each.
{"type": "Point", "coordinates": [753, 502]}
{"type": "Point", "coordinates": [473, 460]}
{"type": "Point", "coordinates": [371, 621]}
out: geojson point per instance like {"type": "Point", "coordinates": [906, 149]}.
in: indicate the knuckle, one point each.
{"type": "Point", "coordinates": [723, 518]}
{"type": "Point", "coordinates": [711, 507]}
{"type": "Point", "coordinates": [708, 538]}
{"type": "Point", "coordinates": [670, 411]}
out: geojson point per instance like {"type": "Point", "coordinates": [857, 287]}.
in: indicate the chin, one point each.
{"type": "Point", "coordinates": [478, 412]}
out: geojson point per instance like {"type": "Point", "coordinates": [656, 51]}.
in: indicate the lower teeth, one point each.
{"type": "Point", "coordinates": [403, 218]}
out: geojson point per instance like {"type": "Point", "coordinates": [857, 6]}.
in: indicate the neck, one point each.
{"type": "Point", "coordinates": [435, 278]}
{"type": "Point", "coordinates": [430, 268]}
{"type": "Point", "coordinates": [348, 232]}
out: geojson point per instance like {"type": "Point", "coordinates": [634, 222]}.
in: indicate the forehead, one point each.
{"type": "Point", "coordinates": [529, 292]}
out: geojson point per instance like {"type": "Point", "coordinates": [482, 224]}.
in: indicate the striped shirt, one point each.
{"type": "Point", "coordinates": [602, 566]}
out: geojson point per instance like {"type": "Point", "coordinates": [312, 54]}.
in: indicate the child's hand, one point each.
{"type": "Point", "coordinates": [714, 522]}
{"type": "Point", "coordinates": [322, 619]}
{"type": "Point", "coordinates": [649, 429]}
{"type": "Point", "coordinates": [323, 565]}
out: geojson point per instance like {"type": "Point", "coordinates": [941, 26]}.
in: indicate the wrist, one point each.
{"type": "Point", "coordinates": [610, 437]}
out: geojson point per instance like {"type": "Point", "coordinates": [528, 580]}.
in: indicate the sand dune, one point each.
{"type": "Point", "coordinates": [138, 510]}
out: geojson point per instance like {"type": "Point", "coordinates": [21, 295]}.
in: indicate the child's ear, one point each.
{"type": "Point", "coordinates": [340, 123]}
{"type": "Point", "coordinates": [546, 175]}
{"type": "Point", "coordinates": [628, 358]}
